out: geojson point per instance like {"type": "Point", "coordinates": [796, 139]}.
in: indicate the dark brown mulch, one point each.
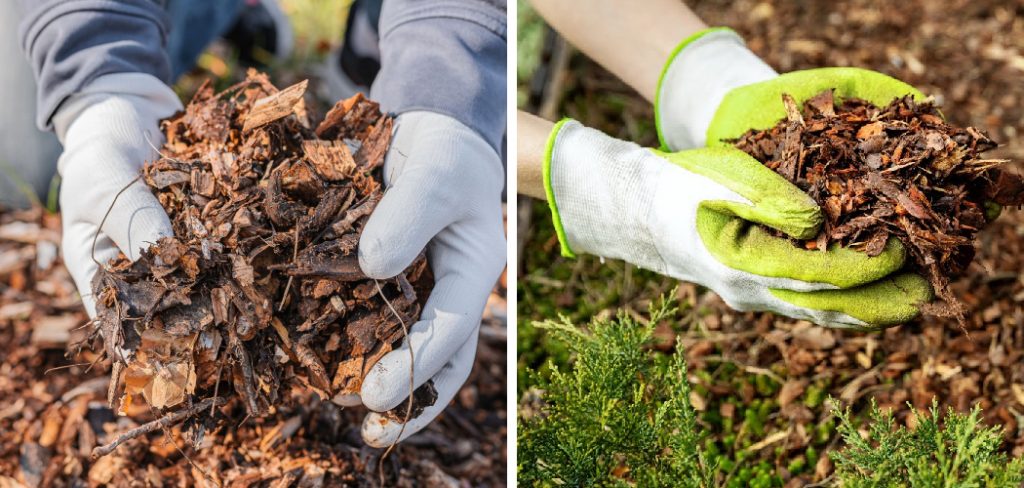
{"type": "Point", "coordinates": [894, 172]}
{"type": "Point", "coordinates": [51, 419]}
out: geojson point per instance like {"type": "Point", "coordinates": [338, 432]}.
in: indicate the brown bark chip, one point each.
{"type": "Point", "coordinates": [898, 171]}
{"type": "Point", "coordinates": [260, 285]}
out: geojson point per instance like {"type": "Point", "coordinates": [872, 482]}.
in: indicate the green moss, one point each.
{"type": "Point", "coordinates": [766, 386]}
{"type": "Point", "coordinates": [797, 465]}
{"type": "Point", "coordinates": [824, 431]}
{"type": "Point", "coordinates": [812, 455]}
{"type": "Point", "coordinates": [814, 396]}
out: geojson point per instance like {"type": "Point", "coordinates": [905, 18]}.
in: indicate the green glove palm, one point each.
{"type": "Point", "coordinates": [735, 116]}
{"type": "Point", "coordinates": [852, 284]}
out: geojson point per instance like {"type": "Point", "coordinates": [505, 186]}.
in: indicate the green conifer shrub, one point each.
{"type": "Point", "coordinates": [956, 451]}
{"type": "Point", "coordinates": [619, 417]}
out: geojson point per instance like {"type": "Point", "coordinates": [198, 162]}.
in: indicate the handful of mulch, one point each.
{"type": "Point", "coordinates": [259, 291]}
{"type": "Point", "coordinates": [895, 171]}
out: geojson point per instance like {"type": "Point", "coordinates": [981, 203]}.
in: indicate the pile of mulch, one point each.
{"type": "Point", "coordinates": [259, 290]}
{"type": "Point", "coordinates": [53, 411]}
{"type": "Point", "coordinates": [898, 171]}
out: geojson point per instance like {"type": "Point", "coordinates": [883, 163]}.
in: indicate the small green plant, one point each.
{"type": "Point", "coordinates": [620, 417]}
{"type": "Point", "coordinates": [8, 172]}
{"type": "Point", "coordinates": [957, 451]}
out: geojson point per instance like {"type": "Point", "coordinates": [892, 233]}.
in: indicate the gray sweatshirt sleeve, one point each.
{"type": "Point", "coordinates": [69, 43]}
{"type": "Point", "coordinates": [445, 56]}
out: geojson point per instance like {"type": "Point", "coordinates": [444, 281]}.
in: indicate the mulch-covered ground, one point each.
{"type": "Point", "coordinates": [761, 380]}
{"type": "Point", "coordinates": [53, 415]}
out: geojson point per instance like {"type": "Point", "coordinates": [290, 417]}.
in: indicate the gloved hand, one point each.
{"type": "Point", "coordinates": [444, 194]}
{"type": "Point", "coordinates": [713, 88]}
{"type": "Point", "coordinates": [109, 130]}
{"type": "Point", "coordinates": [692, 215]}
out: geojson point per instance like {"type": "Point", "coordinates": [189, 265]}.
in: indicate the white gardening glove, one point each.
{"type": "Point", "coordinates": [691, 215]}
{"type": "Point", "coordinates": [109, 130]}
{"type": "Point", "coordinates": [444, 194]}
{"type": "Point", "coordinates": [704, 67]}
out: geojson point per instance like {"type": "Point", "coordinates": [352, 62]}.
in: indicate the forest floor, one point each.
{"type": "Point", "coordinates": [760, 380]}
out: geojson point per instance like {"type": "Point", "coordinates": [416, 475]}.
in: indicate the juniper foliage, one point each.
{"type": "Point", "coordinates": [956, 451]}
{"type": "Point", "coordinates": [619, 417]}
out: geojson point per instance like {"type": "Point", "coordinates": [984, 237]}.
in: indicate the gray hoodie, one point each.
{"type": "Point", "coordinates": [445, 56]}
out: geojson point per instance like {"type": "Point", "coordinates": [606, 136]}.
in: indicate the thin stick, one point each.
{"type": "Point", "coordinates": [216, 386]}
{"type": "Point", "coordinates": [99, 357]}
{"type": "Point", "coordinates": [148, 427]}
{"type": "Point", "coordinates": [170, 439]}
{"type": "Point", "coordinates": [96, 236]}
{"type": "Point", "coordinates": [295, 257]}
{"type": "Point", "coordinates": [57, 368]}
{"type": "Point", "coordinates": [412, 384]}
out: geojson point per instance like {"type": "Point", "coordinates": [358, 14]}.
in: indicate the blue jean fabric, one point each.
{"type": "Point", "coordinates": [194, 25]}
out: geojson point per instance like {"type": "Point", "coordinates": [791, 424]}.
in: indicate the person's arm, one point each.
{"type": "Point", "coordinates": [665, 52]}
{"type": "Point", "coordinates": [631, 39]}
{"type": "Point", "coordinates": [102, 74]}
{"type": "Point", "coordinates": [70, 44]}
{"type": "Point", "coordinates": [531, 144]}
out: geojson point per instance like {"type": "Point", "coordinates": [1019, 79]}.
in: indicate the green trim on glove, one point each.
{"type": "Point", "coordinates": [776, 202]}
{"type": "Point", "coordinates": [741, 245]}
{"type": "Point", "coordinates": [549, 149]}
{"type": "Point", "coordinates": [892, 301]}
{"type": "Point", "coordinates": [759, 105]}
{"type": "Point", "coordinates": [664, 69]}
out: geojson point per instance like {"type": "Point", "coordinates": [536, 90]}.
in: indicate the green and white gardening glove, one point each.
{"type": "Point", "coordinates": [713, 89]}
{"type": "Point", "coordinates": [693, 215]}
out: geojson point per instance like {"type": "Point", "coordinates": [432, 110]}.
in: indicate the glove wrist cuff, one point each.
{"type": "Point", "coordinates": [556, 218]}
{"type": "Point", "coordinates": [696, 77]}
{"type": "Point", "coordinates": [600, 190]}
{"type": "Point", "coordinates": [149, 96]}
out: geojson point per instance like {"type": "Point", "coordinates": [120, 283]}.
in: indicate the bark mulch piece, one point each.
{"type": "Point", "coordinates": [898, 171]}
{"type": "Point", "coordinates": [54, 414]}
